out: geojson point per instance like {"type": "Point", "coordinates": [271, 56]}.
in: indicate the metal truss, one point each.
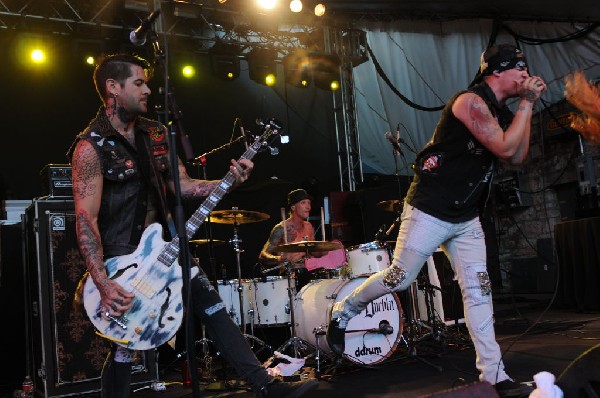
{"type": "Point", "coordinates": [202, 26]}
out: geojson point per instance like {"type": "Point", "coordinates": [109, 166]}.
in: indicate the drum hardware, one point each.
{"type": "Point", "coordinates": [236, 217]}
{"type": "Point", "coordinates": [294, 341]}
{"type": "Point", "coordinates": [414, 326]}
{"type": "Point", "coordinates": [202, 242]}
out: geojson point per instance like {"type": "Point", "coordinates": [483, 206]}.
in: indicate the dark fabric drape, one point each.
{"type": "Point", "coordinates": [578, 251]}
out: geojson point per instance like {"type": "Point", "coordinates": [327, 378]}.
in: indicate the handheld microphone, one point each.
{"type": "Point", "coordinates": [393, 141]}
{"type": "Point", "coordinates": [137, 37]}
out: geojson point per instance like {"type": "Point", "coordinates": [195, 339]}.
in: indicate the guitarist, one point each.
{"type": "Point", "coordinates": [121, 172]}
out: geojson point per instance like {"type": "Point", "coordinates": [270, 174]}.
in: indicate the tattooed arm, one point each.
{"type": "Point", "coordinates": [276, 238]}
{"type": "Point", "coordinates": [193, 188]}
{"type": "Point", "coordinates": [510, 146]}
{"type": "Point", "coordinates": [87, 193]}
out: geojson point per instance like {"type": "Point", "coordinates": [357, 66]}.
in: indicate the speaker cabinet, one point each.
{"type": "Point", "coordinates": [65, 355]}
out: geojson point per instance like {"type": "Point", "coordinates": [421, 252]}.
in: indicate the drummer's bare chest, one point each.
{"type": "Point", "coordinates": [296, 233]}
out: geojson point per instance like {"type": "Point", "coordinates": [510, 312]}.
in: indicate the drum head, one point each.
{"type": "Point", "coordinates": [364, 344]}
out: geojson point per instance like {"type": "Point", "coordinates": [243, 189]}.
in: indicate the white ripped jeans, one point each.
{"type": "Point", "coordinates": [419, 236]}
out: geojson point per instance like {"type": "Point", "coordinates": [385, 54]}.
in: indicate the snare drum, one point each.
{"type": "Point", "coordinates": [228, 290]}
{"type": "Point", "coordinates": [312, 310]}
{"type": "Point", "coordinates": [367, 258]}
{"type": "Point", "coordinates": [271, 301]}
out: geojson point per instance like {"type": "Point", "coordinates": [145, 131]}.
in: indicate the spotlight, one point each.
{"type": "Point", "coordinates": [296, 5]}
{"type": "Point", "coordinates": [90, 60]}
{"type": "Point", "coordinates": [38, 56]}
{"type": "Point", "coordinates": [261, 64]}
{"type": "Point", "coordinates": [266, 4]}
{"type": "Point", "coordinates": [297, 69]}
{"type": "Point", "coordinates": [188, 71]}
{"type": "Point", "coordinates": [320, 10]}
{"type": "Point", "coordinates": [326, 71]}
{"type": "Point", "coordinates": [225, 61]}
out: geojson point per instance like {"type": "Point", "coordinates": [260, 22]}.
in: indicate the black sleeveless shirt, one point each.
{"type": "Point", "coordinates": [132, 174]}
{"type": "Point", "coordinates": [454, 170]}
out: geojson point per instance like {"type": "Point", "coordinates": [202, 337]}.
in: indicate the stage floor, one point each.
{"type": "Point", "coordinates": [444, 362]}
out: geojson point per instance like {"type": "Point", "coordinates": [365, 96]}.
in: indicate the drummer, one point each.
{"type": "Point", "coordinates": [293, 229]}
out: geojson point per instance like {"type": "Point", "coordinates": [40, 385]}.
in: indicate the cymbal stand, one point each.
{"type": "Point", "coordinates": [235, 242]}
{"type": "Point", "coordinates": [295, 342]}
{"type": "Point", "coordinates": [413, 327]}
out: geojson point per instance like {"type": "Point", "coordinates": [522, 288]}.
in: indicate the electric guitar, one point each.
{"type": "Point", "coordinates": [152, 272]}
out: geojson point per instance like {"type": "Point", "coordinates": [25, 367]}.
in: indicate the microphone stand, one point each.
{"type": "Point", "coordinates": [184, 254]}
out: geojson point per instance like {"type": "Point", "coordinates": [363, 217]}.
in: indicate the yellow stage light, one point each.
{"type": "Point", "coordinates": [188, 71]}
{"type": "Point", "coordinates": [270, 80]}
{"type": "Point", "coordinates": [90, 60]}
{"type": "Point", "coordinates": [38, 56]}
{"type": "Point", "coordinates": [335, 85]}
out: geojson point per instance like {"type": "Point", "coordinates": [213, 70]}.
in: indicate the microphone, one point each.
{"type": "Point", "coordinates": [384, 328]}
{"type": "Point", "coordinates": [137, 37]}
{"type": "Point", "coordinates": [393, 141]}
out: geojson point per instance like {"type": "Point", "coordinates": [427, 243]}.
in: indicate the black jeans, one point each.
{"type": "Point", "coordinates": [225, 334]}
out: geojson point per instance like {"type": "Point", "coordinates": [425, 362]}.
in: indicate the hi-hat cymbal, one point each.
{"type": "Point", "coordinates": [237, 216]}
{"type": "Point", "coordinates": [393, 205]}
{"type": "Point", "coordinates": [309, 246]}
{"type": "Point", "coordinates": [200, 242]}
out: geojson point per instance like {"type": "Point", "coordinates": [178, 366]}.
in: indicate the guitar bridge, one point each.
{"type": "Point", "coordinates": [121, 321]}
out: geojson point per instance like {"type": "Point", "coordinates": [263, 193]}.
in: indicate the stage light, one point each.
{"type": "Point", "coordinates": [261, 64]}
{"type": "Point", "coordinates": [326, 71]}
{"type": "Point", "coordinates": [225, 61]}
{"type": "Point", "coordinates": [296, 5]}
{"type": "Point", "coordinates": [90, 60]}
{"type": "Point", "coordinates": [266, 4]}
{"type": "Point", "coordinates": [320, 10]}
{"type": "Point", "coordinates": [38, 56]}
{"type": "Point", "coordinates": [297, 69]}
{"type": "Point", "coordinates": [188, 71]}
{"type": "Point", "coordinates": [270, 80]}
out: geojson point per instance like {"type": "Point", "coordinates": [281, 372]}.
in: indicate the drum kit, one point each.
{"type": "Point", "coordinates": [371, 337]}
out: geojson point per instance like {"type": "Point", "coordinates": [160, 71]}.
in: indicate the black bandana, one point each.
{"type": "Point", "coordinates": [500, 58]}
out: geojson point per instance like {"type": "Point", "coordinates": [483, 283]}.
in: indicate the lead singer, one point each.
{"type": "Point", "coordinates": [452, 178]}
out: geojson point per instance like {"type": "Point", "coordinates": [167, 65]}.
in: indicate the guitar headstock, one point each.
{"type": "Point", "coordinates": [270, 131]}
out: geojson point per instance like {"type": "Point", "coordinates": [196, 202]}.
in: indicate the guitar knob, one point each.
{"type": "Point", "coordinates": [138, 330]}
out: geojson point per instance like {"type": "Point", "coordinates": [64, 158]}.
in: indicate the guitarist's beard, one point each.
{"type": "Point", "coordinates": [124, 115]}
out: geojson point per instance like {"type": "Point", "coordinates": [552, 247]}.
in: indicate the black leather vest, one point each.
{"type": "Point", "coordinates": [454, 170]}
{"type": "Point", "coordinates": [129, 177]}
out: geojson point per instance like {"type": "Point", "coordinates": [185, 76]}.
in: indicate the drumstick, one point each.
{"type": "Point", "coordinates": [323, 224]}
{"type": "Point", "coordinates": [283, 223]}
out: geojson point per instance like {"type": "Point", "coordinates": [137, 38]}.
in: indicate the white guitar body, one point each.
{"type": "Point", "coordinates": [157, 309]}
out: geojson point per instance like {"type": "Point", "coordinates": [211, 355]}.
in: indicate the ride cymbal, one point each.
{"type": "Point", "coordinates": [237, 216]}
{"type": "Point", "coordinates": [309, 246]}
{"type": "Point", "coordinates": [201, 242]}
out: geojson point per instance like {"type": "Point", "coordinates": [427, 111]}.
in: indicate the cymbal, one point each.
{"type": "Point", "coordinates": [309, 246]}
{"type": "Point", "coordinates": [200, 242]}
{"type": "Point", "coordinates": [237, 216]}
{"type": "Point", "coordinates": [393, 205]}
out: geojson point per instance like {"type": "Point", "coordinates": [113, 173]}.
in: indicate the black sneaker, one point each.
{"type": "Point", "coordinates": [280, 389]}
{"type": "Point", "coordinates": [509, 388]}
{"type": "Point", "coordinates": [336, 337]}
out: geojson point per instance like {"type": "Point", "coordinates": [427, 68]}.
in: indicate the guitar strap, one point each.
{"type": "Point", "coordinates": [154, 178]}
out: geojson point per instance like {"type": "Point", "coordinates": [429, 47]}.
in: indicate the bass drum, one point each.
{"type": "Point", "coordinates": [312, 309]}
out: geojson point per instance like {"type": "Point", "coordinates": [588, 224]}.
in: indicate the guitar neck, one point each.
{"type": "Point", "coordinates": [171, 250]}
